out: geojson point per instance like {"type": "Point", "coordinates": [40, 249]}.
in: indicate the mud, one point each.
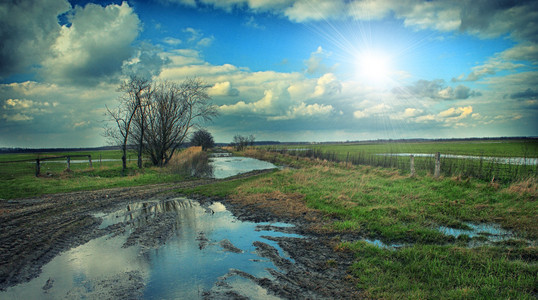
{"type": "Point", "coordinates": [34, 231]}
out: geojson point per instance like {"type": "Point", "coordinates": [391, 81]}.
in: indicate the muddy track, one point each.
{"type": "Point", "coordinates": [33, 231]}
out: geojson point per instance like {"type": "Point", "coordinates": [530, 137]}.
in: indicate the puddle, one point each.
{"type": "Point", "coordinates": [203, 245]}
{"type": "Point", "coordinates": [480, 233]}
{"type": "Point", "coordinates": [227, 166]}
{"type": "Point", "coordinates": [380, 244]}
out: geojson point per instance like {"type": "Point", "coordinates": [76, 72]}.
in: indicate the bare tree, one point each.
{"type": "Point", "coordinates": [173, 111]}
{"type": "Point", "coordinates": [241, 142]}
{"type": "Point", "coordinates": [134, 90]}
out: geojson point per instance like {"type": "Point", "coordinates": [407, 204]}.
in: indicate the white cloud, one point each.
{"type": "Point", "coordinates": [94, 46]}
{"type": "Point", "coordinates": [27, 31]}
{"type": "Point", "coordinates": [266, 105]}
{"type": "Point", "coordinates": [315, 10]}
{"type": "Point", "coordinates": [304, 110]}
{"type": "Point", "coordinates": [223, 89]}
{"type": "Point", "coordinates": [327, 84]}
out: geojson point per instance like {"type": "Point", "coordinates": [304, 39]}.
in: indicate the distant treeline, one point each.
{"type": "Point", "coordinates": [7, 150]}
{"type": "Point", "coordinates": [264, 143]}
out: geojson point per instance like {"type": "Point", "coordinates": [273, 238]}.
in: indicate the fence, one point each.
{"type": "Point", "coordinates": [11, 168]}
{"type": "Point", "coordinates": [484, 168]}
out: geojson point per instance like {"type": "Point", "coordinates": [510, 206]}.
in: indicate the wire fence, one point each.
{"type": "Point", "coordinates": [44, 166]}
{"type": "Point", "coordinates": [496, 169]}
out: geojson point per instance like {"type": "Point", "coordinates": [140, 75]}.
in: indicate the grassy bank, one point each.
{"type": "Point", "coordinates": [376, 203]}
{"type": "Point", "coordinates": [18, 180]}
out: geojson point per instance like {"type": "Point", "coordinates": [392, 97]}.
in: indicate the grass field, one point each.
{"type": "Point", "coordinates": [19, 180]}
{"type": "Point", "coordinates": [378, 203]}
{"type": "Point", "coordinates": [489, 162]}
{"type": "Point", "coordinates": [498, 148]}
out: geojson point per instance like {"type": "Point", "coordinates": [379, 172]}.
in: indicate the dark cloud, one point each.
{"type": "Point", "coordinates": [528, 94]}
{"type": "Point", "coordinates": [27, 31]}
{"type": "Point", "coordinates": [435, 89]}
{"type": "Point", "coordinates": [94, 47]}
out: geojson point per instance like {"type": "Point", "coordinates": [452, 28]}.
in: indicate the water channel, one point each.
{"type": "Point", "coordinates": [530, 161]}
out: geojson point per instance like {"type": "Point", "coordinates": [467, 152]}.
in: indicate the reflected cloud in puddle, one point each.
{"type": "Point", "coordinates": [176, 268]}
{"type": "Point", "coordinates": [228, 166]}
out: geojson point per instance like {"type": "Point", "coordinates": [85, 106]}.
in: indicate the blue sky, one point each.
{"type": "Point", "coordinates": [286, 70]}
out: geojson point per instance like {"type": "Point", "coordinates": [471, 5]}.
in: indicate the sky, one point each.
{"type": "Point", "coordinates": [281, 70]}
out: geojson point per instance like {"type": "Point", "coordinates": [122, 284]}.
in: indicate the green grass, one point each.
{"type": "Point", "coordinates": [498, 148]}
{"type": "Point", "coordinates": [484, 168]}
{"type": "Point", "coordinates": [382, 204]}
{"type": "Point", "coordinates": [19, 180]}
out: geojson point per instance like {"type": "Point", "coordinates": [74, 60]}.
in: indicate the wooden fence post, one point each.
{"type": "Point", "coordinates": [37, 167]}
{"type": "Point", "coordinates": [413, 173]}
{"type": "Point", "coordinates": [90, 159]}
{"type": "Point", "coordinates": [69, 163]}
{"type": "Point", "coordinates": [437, 172]}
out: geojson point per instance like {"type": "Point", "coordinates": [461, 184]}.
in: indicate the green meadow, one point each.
{"type": "Point", "coordinates": [498, 148]}
{"type": "Point", "coordinates": [19, 180]}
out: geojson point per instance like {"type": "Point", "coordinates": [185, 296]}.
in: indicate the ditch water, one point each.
{"type": "Point", "coordinates": [227, 166]}
{"type": "Point", "coordinates": [184, 249]}
{"type": "Point", "coordinates": [502, 160]}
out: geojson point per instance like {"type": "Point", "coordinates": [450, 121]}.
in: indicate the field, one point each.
{"type": "Point", "coordinates": [500, 160]}
{"type": "Point", "coordinates": [391, 223]}
{"type": "Point", "coordinates": [19, 180]}
{"type": "Point", "coordinates": [410, 236]}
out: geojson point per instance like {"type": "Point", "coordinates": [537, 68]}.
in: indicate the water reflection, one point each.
{"type": "Point", "coordinates": [530, 161]}
{"type": "Point", "coordinates": [176, 268]}
{"type": "Point", "coordinates": [227, 166]}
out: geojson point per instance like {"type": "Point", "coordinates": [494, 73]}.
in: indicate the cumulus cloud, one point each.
{"type": "Point", "coordinates": [94, 45]}
{"type": "Point", "coordinates": [327, 85]}
{"type": "Point", "coordinates": [146, 61]}
{"type": "Point", "coordinates": [223, 89]}
{"type": "Point", "coordinates": [315, 10]}
{"type": "Point", "coordinates": [304, 110]}
{"type": "Point", "coordinates": [27, 30]}
{"type": "Point", "coordinates": [372, 111]}
{"type": "Point", "coordinates": [17, 110]}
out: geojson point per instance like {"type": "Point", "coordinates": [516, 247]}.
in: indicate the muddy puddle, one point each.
{"type": "Point", "coordinates": [162, 249]}
{"type": "Point", "coordinates": [227, 166]}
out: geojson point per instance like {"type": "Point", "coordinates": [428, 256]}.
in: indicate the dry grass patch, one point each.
{"type": "Point", "coordinates": [528, 187]}
{"type": "Point", "coordinates": [281, 204]}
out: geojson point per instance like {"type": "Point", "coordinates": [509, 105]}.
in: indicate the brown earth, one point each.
{"type": "Point", "coordinates": [34, 231]}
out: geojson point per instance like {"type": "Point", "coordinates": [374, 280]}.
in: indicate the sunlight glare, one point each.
{"type": "Point", "coordinates": [374, 66]}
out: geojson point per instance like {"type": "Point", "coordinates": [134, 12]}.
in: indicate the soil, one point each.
{"type": "Point", "coordinates": [33, 231]}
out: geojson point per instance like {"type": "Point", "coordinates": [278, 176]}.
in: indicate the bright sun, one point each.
{"type": "Point", "coordinates": [373, 66]}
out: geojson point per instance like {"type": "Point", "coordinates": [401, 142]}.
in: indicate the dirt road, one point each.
{"type": "Point", "coordinates": [34, 231]}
